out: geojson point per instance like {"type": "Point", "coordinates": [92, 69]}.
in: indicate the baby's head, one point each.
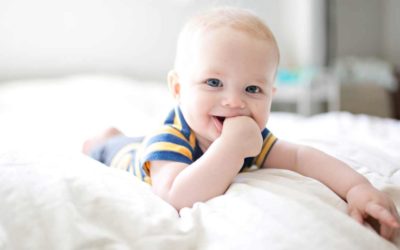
{"type": "Point", "coordinates": [239, 20]}
{"type": "Point", "coordinates": [225, 66]}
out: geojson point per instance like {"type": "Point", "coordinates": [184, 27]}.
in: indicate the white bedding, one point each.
{"type": "Point", "coordinates": [52, 197]}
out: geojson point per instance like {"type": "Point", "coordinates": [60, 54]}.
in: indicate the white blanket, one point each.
{"type": "Point", "coordinates": [52, 197]}
{"type": "Point", "coordinates": [72, 202]}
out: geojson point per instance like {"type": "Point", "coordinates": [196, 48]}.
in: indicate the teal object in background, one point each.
{"type": "Point", "coordinates": [295, 76]}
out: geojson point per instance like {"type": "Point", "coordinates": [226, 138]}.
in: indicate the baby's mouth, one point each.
{"type": "Point", "coordinates": [219, 121]}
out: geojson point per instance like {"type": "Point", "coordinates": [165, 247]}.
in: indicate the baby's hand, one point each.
{"type": "Point", "coordinates": [366, 201]}
{"type": "Point", "coordinates": [243, 134]}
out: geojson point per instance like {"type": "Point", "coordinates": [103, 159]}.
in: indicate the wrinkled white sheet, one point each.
{"type": "Point", "coordinates": [52, 197]}
{"type": "Point", "coordinates": [72, 202]}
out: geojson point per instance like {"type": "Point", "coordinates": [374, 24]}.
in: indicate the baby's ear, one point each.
{"type": "Point", "coordinates": [174, 85]}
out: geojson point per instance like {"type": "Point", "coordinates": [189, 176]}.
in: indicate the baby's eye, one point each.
{"type": "Point", "coordinates": [253, 89]}
{"type": "Point", "coordinates": [214, 82]}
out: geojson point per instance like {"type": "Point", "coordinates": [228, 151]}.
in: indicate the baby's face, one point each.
{"type": "Point", "coordinates": [229, 73]}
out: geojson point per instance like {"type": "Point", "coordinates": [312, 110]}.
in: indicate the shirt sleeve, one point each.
{"type": "Point", "coordinates": [168, 144]}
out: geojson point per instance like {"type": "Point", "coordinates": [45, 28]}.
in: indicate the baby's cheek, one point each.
{"type": "Point", "coordinates": [260, 123]}
{"type": "Point", "coordinates": [262, 126]}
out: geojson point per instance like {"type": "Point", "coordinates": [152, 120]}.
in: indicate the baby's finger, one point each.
{"type": "Point", "coordinates": [382, 214]}
{"type": "Point", "coordinates": [387, 232]}
{"type": "Point", "coordinates": [355, 214]}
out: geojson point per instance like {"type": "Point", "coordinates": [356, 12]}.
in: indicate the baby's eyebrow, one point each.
{"type": "Point", "coordinates": [261, 80]}
{"type": "Point", "coordinates": [213, 72]}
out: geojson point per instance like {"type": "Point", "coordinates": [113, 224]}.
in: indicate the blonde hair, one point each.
{"type": "Point", "coordinates": [235, 18]}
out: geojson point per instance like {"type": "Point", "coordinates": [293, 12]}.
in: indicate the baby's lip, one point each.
{"type": "Point", "coordinates": [218, 122]}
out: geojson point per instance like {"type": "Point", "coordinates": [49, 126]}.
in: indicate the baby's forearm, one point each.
{"type": "Point", "coordinates": [206, 178]}
{"type": "Point", "coordinates": [334, 173]}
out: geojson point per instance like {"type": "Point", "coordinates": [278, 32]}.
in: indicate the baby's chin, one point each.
{"type": "Point", "coordinates": [204, 142]}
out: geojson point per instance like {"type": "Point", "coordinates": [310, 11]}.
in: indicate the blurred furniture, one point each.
{"type": "Point", "coordinates": [367, 86]}
{"type": "Point", "coordinates": [396, 96]}
{"type": "Point", "coordinates": [371, 99]}
{"type": "Point", "coordinates": [368, 98]}
{"type": "Point", "coordinates": [310, 94]}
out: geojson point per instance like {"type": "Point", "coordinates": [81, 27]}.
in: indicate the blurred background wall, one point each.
{"type": "Point", "coordinates": [136, 38]}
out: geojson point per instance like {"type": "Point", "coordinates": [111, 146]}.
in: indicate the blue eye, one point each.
{"type": "Point", "coordinates": [253, 89]}
{"type": "Point", "coordinates": [214, 82]}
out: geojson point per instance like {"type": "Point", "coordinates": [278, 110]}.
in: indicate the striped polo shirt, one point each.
{"type": "Point", "coordinates": [175, 141]}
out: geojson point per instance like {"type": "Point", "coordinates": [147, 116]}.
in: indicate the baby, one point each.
{"type": "Point", "coordinates": [223, 84]}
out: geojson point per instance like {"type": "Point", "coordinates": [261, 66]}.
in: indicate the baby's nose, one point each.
{"type": "Point", "coordinates": [233, 101]}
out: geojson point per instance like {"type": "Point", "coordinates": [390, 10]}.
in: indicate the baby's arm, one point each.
{"type": "Point", "coordinates": [362, 198]}
{"type": "Point", "coordinates": [182, 185]}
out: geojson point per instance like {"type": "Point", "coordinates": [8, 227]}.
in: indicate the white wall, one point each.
{"type": "Point", "coordinates": [301, 32]}
{"type": "Point", "coordinates": [134, 37]}
{"type": "Point", "coordinates": [137, 37]}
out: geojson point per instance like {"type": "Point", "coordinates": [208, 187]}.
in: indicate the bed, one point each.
{"type": "Point", "coordinates": [54, 197]}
